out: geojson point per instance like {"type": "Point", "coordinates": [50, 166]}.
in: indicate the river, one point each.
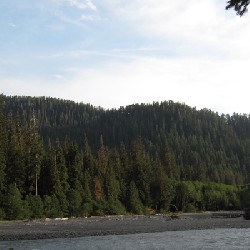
{"type": "Point", "coordinates": [193, 239]}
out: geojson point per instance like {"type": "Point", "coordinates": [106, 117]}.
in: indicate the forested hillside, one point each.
{"type": "Point", "coordinates": [205, 146]}
{"type": "Point", "coordinates": [60, 158]}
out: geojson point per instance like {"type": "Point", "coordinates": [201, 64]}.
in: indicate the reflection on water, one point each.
{"type": "Point", "coordinates": [195, 239]}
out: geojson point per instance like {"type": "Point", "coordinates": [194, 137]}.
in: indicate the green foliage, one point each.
{"type": "Point", "coordinates": [245, 197]}
{"type": "Point", "coordinates": [141, 171]}
{"type": "Point", "coordinates": [135, 205]}
{"type": "Point", "coordinates": [206, 196]}
{"type": "Point", "coordinates": [87, 201]}
{"type": "Point", "coordinates": [190, 208]}
{"type": "Point", "coordinates": [164, 156]}
{"type": "Point", "coordinates": [73, 165]}
{"type": "Point", "coordinates": [100, 207]}
{"type": "Point", "coordinates": [3, 143]}
{"type": "Point", "coordinates": [33, 157]}
{"type": "Point", "coordinates": [15, 208]}
{"type": "Point", "coordinates": [191, 144]}
{"type": "Point", "coordinates": [162, 189]}
{"type": "Point", "coordinates": [75, 201]}
{"type": "Point", "coordinates": [51, 207]}
{"type": "Point", "coordinates": [115, 207]}
{"type": "Point", "coordinates": [2, 214]}
{"type": "Point", "coordinates": [35, 205]}
{"type": "Point", "coordinates": [87, 208]}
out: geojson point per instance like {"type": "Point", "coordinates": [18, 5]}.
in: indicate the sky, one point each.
{"type": "Point", "coordinates": [113, 53]}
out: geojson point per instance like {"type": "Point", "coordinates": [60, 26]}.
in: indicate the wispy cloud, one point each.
{"type": "Point", "coordinates": [12, 25]}
{"type": "Point", "coordinates": [197, 82]}
{"type": "Point", "coordinates": [91, 5]}
{"type": "Point", "coordinates": [153, 79]}
{"type": "Point", "coordinates": [58, 77]}
{"type": "Point", "coordinates": [190, 25]}
{"type": "Point", "coordinates": [86, 11]}
{"type": "Point", "coordinates": [119, 53]}
{"type": "Point", "coordinates": [87, 18]}
{"type": "Point", "coordinates": [80, 4]}
{"type": "Point", "coordinates": [66, 18]}
{"type": "Point", "coordinates": [130, 51]}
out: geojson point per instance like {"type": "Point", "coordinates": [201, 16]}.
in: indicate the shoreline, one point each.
{"type": "Point", "coordinates": [118, 225]}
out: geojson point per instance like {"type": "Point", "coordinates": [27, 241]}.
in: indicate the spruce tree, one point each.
{"type": "Point", "coordinates": [34, 156]}
{"type": "Point", "coordinates": [15, 207]}
{"type": "Point", "coordinates": [73, 165]}
{"type": "Point", "coordinates": [135, 205]}
{"type": "Point", "coordinates": [3, 144]}
{"type": "Point", "coordinates": [162, 188]}
{"type": "Point", "coordinates": [16, 152]}
{"type": "Point", "coordinates": [142, 171]}
{"type": "Point", "coordinates": [35, 206]}
{"type": "Point", "coordinates": [74, 198]}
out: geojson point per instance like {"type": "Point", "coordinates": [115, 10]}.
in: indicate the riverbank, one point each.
{"type": "Point", "coordinates": [114, 225]}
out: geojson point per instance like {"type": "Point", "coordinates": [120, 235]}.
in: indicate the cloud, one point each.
{"type": "Point", "coordinates": [79, 4]}
{"type": "Point", "coordinates": [82, 12]}
{"type": "Point", "coordinates": [12, 86]}
{"type": "Point", "coordinates": [189, 26]}
{"type": "Point", "coordinates": [197, 82]}
{"type": "Point", "coordinates": [82, 4]}
{"type": "Point", "coordinates": [58, 77]}
{"type": "Point", "coordinates": [143, 51]}
{"type": "Point", "coordinates": [218, 85]}
{"type": "Point", "coordinates": [116, 53]}
{"type": "Point", "coordinates": [91, 5]}
{"type": "Point", "coordinates": [87, 18]}
{"type": "Point", "coordinates": [12, 25]}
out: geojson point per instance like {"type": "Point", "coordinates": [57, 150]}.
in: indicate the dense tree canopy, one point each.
{"type": "Point", "coordinates": [240, 6]}
{"type": "Point", "coordinates": [60, 158]}
{"type": "Point", "coordinates": [190, 144]}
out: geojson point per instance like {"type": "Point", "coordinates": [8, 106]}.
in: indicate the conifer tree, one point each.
{"type": "Point", "coordinates": [35, 206]}
{"type": "Point", "coordinates": [74, 198]}
{"type": "Point", "coordinates": [125, 173]}
{"type": "Point", "coordinates": [111, 185]}
{"type": "Point", "coordinates": [87, 200]}
{"type": "Point", "coordinates": [240, 6]}
{"type": "Point", "coordinates": [142, 171]}
{"type": "Point", "coordinates": [34, 156]}
{"type": "Point", "coordinates": [135, 205]}
{"type": "Point", "coordinates": [169, 163]}
{"type": "Point", "coordinates": [15, 207]}
{"type": "Point", "coordinates": [73, 165]}
{"type": "Point", "coordinates": [3, 143]}
{"type": "Point", "coordinates": [58, 177]}
{"type": "Point", "coordinates": [162, 189]}
{"type": "Point", "coordinates": [88, 178]}
{"type": "Point", "coordinates": [52, 206]}
{"type": "Point", "coordinates": [16, 150]}
{"type": "Point", "coordinates": [102, 158]}
{"type": "Point", "coordinates": [87, 158]}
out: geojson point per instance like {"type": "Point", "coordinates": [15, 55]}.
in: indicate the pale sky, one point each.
{"type": "Point", "coordinates": [113, 53]}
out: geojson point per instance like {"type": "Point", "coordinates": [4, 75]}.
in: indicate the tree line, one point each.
{"type": "Point", "coordinates": [206, 146]}
{"type": "Point", "coordinates": [127, 170]}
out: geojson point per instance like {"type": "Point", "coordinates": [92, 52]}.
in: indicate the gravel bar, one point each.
{"type": "Point", "coordinates": [114, 225]}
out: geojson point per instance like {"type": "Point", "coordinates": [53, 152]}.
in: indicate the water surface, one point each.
{"type": "Point", "coordinates": [193, 239]}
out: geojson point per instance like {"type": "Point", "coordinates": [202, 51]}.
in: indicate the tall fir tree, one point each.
{"type": "Point", "coordinates": [16, 151]}
{"type": "Point", "coordinates": [34, 156]}
{"type": "Point", "coordinates": [73, 165]}
{"type": "Point", "coordinates": [3, 144]}
{"type": "Point", "coordinates": [142, 171]}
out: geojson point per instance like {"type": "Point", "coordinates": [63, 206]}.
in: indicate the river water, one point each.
{"type": "Point", "coordinates": [193, 239]}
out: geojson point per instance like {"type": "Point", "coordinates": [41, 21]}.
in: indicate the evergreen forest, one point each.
{"type": "Point", "coordinates": [59, 158]}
